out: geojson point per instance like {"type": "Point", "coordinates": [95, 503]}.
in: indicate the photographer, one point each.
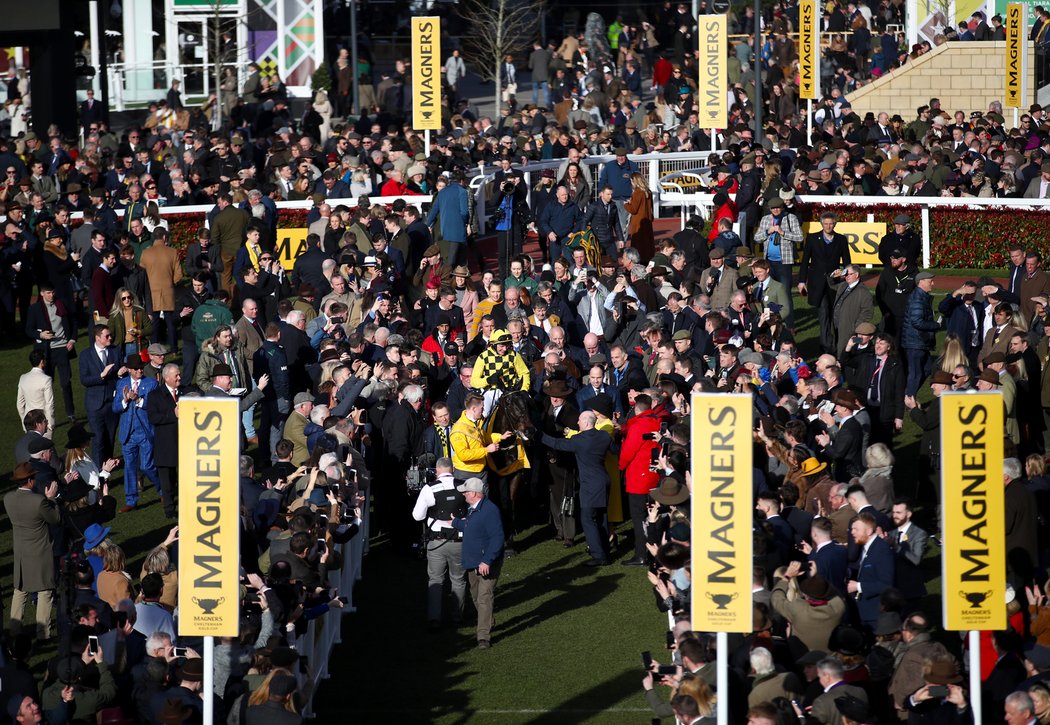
{"type": "Point", "coordinates": [437, 503]}
{"type": "Point", "coordinates": [512, 216]}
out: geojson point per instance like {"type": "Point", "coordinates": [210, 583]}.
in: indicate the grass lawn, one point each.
{"type": "Point", "coordinates": [566, 644]}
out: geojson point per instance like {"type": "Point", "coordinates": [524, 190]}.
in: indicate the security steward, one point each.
{"type": "Point", "coordinates": [437, 503]}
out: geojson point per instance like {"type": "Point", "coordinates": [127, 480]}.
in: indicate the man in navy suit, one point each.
{"type": "Point", "coordinates": [783, 535]}
{"type": "Point", "coordinates": [831, 558]}
{"type": "Point", "coordinates": [597, 386]}
{"type": "Point", "coordinates": [824, 252]}
{"type": "Point", "coordinates": [590, 447]}
{"type": "Point", "coordinates": [875, 572]}
{"type": "Point", "coordinates": [965, 318]}
{"type": "Point", "coordinates": [482, 552]}
{"type": "Point", "coordinates": [99, 370]}
{"type": "Point", "coordinates": [136, 431]}
{"type": "Point", "coordinates": [332, 187]}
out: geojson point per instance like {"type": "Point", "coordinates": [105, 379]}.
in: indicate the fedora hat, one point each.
{"type": "Point", "coordinates": [601, 403]}
{"type": "Point", "coordinates": [846, 399]}
{"type": "Point", "coordinates": [94, 535]}
{"type": "Point", "coordinates": [22, 472]}
{"type": "Point", "coordinates": [941, 378]}
{"type": "Point", "coordinates": [221, 369]}
{"type": "Point", "coordinates": [78, 436]}
{"type": "Point", "coordinates": [816, 587]}
{"type": "Point", "coordinates": [812, 466]}
{"type": "Point", "coordinates": [556, 389]}
{"type": "Point", "coordinates": [460, 271]}
{"type": "Point", "coordinates": [670, 492]}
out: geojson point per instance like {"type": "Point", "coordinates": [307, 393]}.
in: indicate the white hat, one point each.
{"type": "Point", "coordinates": [472, 484]}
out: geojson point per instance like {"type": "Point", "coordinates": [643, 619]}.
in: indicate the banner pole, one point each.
{"type": "Point", "coordinates": [809, 121]}
{"type": "Point", "coordinates": [722, 680]}
{"type": "Point", "coordinates": [714, 141]}
{"type": "Point", "coordinates": [975, 674]}
{"type": "Point", "coordinates": [426, 142]}
{"type": "Point", "coordinates": [208, 687]}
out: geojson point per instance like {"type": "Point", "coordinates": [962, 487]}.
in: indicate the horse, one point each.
{"type": "Point", "coordinates": [511, 413]}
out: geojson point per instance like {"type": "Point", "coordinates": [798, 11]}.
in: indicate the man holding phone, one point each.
{"type": "Point", "coordinates": [482, 552]}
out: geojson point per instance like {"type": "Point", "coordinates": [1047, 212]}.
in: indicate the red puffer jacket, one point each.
{"type": "Point", "coordinates": [636, 452]}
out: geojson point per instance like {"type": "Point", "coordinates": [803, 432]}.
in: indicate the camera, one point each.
{"type": "Point", "coordinates": [508, 187]}
{"type": "Point", "coordinates": [420, 474]}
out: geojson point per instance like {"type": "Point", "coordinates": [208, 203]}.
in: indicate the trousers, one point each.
{"type": "Point", "coordinates": [561, 484]}
{"type": "Point", "coordinates": [44, 603]}
{"type": "Point", "coordinates": [138, 456]}
{"type": "Point", "coordinates": [595, 530]}
{"type": "Point", "coordinates": [636, 502]}
{"type": "Point", "coordinates": [483, 593]}
{"type": "Point", "coordinates": [445, 557]}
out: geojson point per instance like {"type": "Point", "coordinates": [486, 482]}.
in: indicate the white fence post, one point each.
{"type": "Point", "coordinates": [926, 236]}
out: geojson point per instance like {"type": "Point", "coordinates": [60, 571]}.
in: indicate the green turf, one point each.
{"type": "Point", "coordinates": [567, 639]}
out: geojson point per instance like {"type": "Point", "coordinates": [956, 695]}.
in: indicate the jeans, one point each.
{"type": "Point", "coordinates": [918, 362]}
{"type": "Point", "coordinates": [190, 355]}
{"type": "Point", "coordinates": [138, 456]}
{"type": "Point", "coordinates": [595, 530]}
{"type": "Point", "coordinates": [445, 556]}
{"type": "Point", "coordinates": [483, 592]}
{"type": "Point", "coordinates": [248, 416]}
{"type": "Point", "coordinates": [541, 93]}
{"type": "Point", "coordinates": [168, 482]}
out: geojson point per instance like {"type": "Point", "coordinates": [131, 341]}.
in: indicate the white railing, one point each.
{"type": "Point", "coordinates": [143, 82]}
{"type": "Point", "coordinates": [706, 201]}
{"type": "Point", "coordinates": [654, 167]}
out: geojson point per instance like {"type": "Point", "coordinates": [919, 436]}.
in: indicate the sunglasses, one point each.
{"type": "Point", "coordinates": [125, 299]}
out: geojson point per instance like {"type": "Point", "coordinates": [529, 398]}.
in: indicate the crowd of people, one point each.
{"type": "Point", "coordinates": [549, 385]}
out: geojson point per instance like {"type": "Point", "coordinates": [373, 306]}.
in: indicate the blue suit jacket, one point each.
{"type": "Point", "coordinates": [133, 419]}
{"type": "Point", "coordinates": [587, 393]}
{"type": "Point", "coordinates": [833, 565]}
{"type": "Point", "coordinates": [482, 535]}
{"type": "Point", "coordinates": [590, 447]}
{"type": "Point", "coordinates": [875, 576]}
{"type": "Point", "coordinates": [98, 391]}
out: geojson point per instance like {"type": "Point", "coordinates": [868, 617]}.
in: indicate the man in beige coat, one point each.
{"type": "Point", "coordinates": [163, 270]}
{"type": "Point", "coordinates": [35, 391]}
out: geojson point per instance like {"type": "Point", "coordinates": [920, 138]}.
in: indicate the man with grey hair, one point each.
{"type": "Point", "coordinates": [402, 442]}
{"type": "Point", "coordinates": [437, 503]}
{"type": "Point", "coordinates": [1022, 549]}
{"type": "Point", "coordinates": [1019, 709]}
{"type": "Point", "coordinates": [830, 674]}
{"type": "Point", "coordinates": [590, 446]}
{"type": "Point", "coordinates": [769, 683]}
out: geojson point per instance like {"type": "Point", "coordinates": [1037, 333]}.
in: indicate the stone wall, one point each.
{"type": "Point", "coordinates": [966, 76]}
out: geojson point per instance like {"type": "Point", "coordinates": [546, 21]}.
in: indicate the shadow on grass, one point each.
{"type": "Point", "coordinates": [596, 699]}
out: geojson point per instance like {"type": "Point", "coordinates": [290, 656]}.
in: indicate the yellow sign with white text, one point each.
{"type": "Point", "coordinates": [1014, 49]}
{"type": "Point", "coordinates": [426, 73]}
{"type": "Point", "coordinates": [721, 512]}
{"type": "Point", "coordinates": [714, 72]}
{"type": "Point", "coordinates": [973, 522]}
{"type": "Point", "coordinates": [209, 517]}
{"type": "Point", "coordinates": [863, 238]}
{"type": "Point", "coordinates": [808, 50]}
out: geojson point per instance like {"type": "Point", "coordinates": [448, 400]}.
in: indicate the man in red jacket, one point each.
{"type": "Point", "coordinates": [636, 454]}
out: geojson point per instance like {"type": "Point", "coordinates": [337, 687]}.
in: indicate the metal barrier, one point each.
{"type": "Point", "coordinates": [323, 633]}
{"type": "Point", "coordinates": [127, 82]}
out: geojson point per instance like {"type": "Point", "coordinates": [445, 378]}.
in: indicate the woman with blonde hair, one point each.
{"type": "Point", "coordinates": [158, 561]}
{"type": "Point", "coordinates": [953, 354]}
{"type": "Point", "coordinates": [878, 478]}
{"type": "Point", "coordinates": [128, 323]}
{"type": "Point", "coordinates": [113, 583]}
{"type": "Point", "coordinates": [640, 207]}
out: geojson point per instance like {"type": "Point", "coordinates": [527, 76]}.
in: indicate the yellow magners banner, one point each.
{"type": "Point", "coordinates": [721, 512]}
{"type": "Point", "coordinates": [426, 73]}
{"type": "Point", "coordinates": [973, 580]}
{"type": "Point", "coordinates": [714, 72]}
{"type": "Point", "coordinates": [808, 50]}
{"type": "Point", "coordinates": [209, 516]}
{"type": "Point", "coordinates": [1014, 49]}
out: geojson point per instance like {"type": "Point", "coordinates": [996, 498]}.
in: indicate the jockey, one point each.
{"type": "Point", "coordinates": [499, 369]}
